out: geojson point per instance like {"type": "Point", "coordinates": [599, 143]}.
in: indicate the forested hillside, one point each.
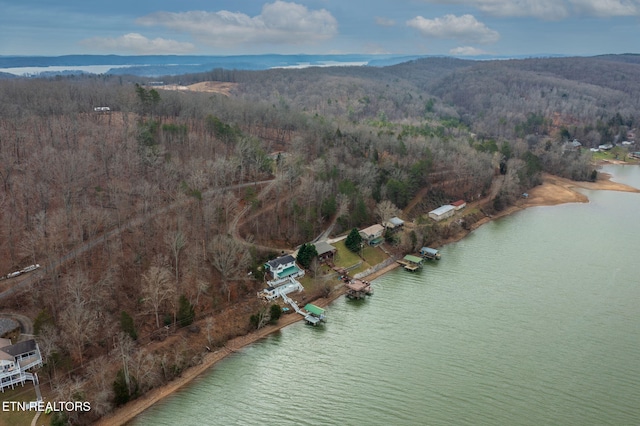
{"type": "Point", "coordinates": [133, 213]}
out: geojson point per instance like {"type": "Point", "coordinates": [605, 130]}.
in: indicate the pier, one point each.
{"type": "Point", "coordinates": [358, 289]}
{"type": "Point", "coordinates": [411, 263]}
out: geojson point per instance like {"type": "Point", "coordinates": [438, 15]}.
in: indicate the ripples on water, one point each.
{"type": "Point", "coordinates": [531, 320]}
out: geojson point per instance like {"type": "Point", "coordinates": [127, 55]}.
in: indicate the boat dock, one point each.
{"type": "Point", "coordinates": [315, 314]}
{"type": "Point", "coordinates": [411, 263]}
{"type": "Point", "coordinates": [430, 253]}
{"type": "Point", "coordinates": [358, 289]}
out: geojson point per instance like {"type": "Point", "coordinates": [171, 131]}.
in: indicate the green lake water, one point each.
{"type": "Point", "coordinates": [533, 319]}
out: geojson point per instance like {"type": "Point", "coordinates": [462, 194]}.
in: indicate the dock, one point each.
{"type": "Point", "coordinates": [315, 314]}
{"type": "Point", "coordinates": [358, 289]}
{"type": "Point", "coordinates": [411, 263]}
{"type": "Point", "coordinates": [430, 253]}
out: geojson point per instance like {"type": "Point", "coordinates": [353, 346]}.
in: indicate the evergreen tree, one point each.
{"type": "Point", "coordinates": [306, 254]}
{"type": "Point", "coordinates": [353, 240]}
{"type": "Point", "coordinates": [126, 324]}
{"type": "Point", "coordinates": [186, 313]}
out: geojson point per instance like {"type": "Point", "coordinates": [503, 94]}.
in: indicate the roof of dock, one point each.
{"type": "Point", "coordinates": [413, 259]}
{"type": "Point", "coordinates": [313, 309]}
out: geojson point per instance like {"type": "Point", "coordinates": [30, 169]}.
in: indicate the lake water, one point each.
{"type": "Point", "coordinates": [533, 319]}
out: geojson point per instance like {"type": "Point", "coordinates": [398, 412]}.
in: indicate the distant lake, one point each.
{"type": "Point", "coordinates": [532, 319]}
{"type": "Point", "coordinates": [34, 71]}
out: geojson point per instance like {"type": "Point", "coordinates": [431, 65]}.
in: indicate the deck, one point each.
{"type": "Point", "coordinates": [358, 289]}
{"type": "Point", "coordinates": [411, 263]}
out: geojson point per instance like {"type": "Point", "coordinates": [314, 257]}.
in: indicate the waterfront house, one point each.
{"type": "Point", "coordinates": [373, 235]}
{"type": "Point", "coordinates": [281, 269]}
{"type": "Point", "coordinates": [15, 360]}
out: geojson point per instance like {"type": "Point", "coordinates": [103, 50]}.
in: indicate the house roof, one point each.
{"type": "Point", "coordinates": [396, 221]}
{"type": "Point", "coordinates": [442, 210]}
{"type": "Point", "coordinates": [20, 347]}
{"type": "Point", "coordinates": [4, 342]}
{"type": "Point", "coordinates": [291, 270]}
{"type": "Point", "coordinates": [323, 247]}
{"type": "Point", "coordinates": [458, 203]}
{"type": "Point", "coordinates": [373, 229]}
{"type": "Point", "coordinates": [282, 260]}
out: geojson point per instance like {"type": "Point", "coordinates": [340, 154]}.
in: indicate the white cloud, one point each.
{"type": "Point", "coordinates": [279, 22]}
{"type": "Point", "coordinates": [551, 9]}
{"type": "Point", "coordinates": [607, 8]}
{"type": "Point", "coordinates": [465, 28]}
{"type": "Point", "coordinates": [139, 44]}
{"type": "Point", "coordinates": [468, 51]}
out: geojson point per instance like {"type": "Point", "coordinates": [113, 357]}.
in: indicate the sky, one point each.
{"type": "Point", "coordinates": [238, 27]}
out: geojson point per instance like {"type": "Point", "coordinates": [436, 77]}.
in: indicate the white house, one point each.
{"type": "Point", "coordinates": [442, 212]}
{"type": "Point", "coordinates": [283, 268]}
{"type": "Point", "coordinates": [15, 360]}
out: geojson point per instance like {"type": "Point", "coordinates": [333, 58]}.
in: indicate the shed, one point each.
{"type": "Point", "coordinates": [442, 212]}
{"type": "Point", "coordinates": [325, 250]}
{"type": "Point", "coordinates": [459, 205]}
{"type": "Point", "coordinates": [393, 223]}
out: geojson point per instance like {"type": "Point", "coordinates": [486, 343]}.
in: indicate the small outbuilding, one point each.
{"type": "Point", "coordinates": [325, 250]}
{"type": "Point", "coordinates": [459, 205]}
{"type": "Point", "coordinates": [394, 223]}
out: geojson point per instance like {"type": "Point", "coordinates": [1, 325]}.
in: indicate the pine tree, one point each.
{"type": "Point", "coordinates": [306, 254]}
{"type": "Point", "coordinates": [353, 240]}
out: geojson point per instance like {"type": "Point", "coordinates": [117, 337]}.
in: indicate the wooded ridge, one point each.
{"type": "Point", "coordinates": [160, 210]}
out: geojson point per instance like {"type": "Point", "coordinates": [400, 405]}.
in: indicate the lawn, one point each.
{"type": "Point", "coordinates": [345, 258]}
{"type": "Point", "coordinates": [19, 418]}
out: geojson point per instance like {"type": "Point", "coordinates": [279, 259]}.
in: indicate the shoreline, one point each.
{"type": "Point", "coordinates": [553, 191]}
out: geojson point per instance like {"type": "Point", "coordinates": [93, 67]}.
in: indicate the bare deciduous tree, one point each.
{"type": "Point", "coordinates": [176, 241]}
{"type": "Point", "coordinates": [157, 289]}
{"type": "Point", "coordinates": [385, 210]}
{"type": "Point", "coordinates": [229, 257]}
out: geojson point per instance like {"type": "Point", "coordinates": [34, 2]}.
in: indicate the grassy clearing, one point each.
{"type": "Point", "coordinates": [345, 258]}
{"type": "Point", "coordinates": [19, 418]}
{"type": "Point", "coordinates": [373, 255]}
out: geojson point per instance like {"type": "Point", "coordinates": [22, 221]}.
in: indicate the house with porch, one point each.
{"type": "Point", "coordinates": [282, 269]}
{"type": "Point", "coordinates": [16, 360]}
{"type": "Point", "coordinates": [373, 235]}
